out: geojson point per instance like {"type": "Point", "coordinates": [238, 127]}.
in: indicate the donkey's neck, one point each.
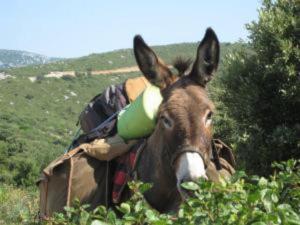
{"type": "Point", "coordinates": [155, 169]}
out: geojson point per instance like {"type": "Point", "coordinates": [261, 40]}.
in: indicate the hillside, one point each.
{"type": "Point", "coordinates": [14, 58]}
{"type": "Point", "coordinates": [37, 121]}
{"type": "Point", "coordinates": [113, 60]}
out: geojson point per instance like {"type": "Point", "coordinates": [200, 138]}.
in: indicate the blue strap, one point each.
{"type": "Point", "coordinates": [74, 138]}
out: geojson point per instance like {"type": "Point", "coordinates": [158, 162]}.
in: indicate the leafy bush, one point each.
{"type": "Point", "coordinates": [243, 200]}
{"type": "Point", "coordinates": [16, 167]}
{"type": "Point", "coordinates": [258, 93]}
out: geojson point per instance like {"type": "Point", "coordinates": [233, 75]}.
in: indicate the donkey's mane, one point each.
{"type": "Point", "coordinates": [182, 65]}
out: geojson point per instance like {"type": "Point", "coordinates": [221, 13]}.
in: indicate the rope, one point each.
{"type": "Point", "coordinates": [106, 185]}
{"type": "Point", "coordinates": [70, 182]}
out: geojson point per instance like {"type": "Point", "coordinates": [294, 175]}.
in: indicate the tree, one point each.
{"type": "Point", "coordinates": [259, 90]}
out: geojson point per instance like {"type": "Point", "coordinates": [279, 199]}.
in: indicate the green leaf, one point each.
{"type": "Point", "coordinates": [262, 182]}
{"type": "Point", "coordinates": [145, 187]}
{"type": "Point", "coordinates": [180, 213]}
{"type": "Point", "coordinates": [125, 208]}
{"type": "Point", "coordinates": [112, 217]}
{"type": "Point", "coordinates": [190, 186]}
{"type": "Point", "coordinates": [98, 222]}
{"type": "Point", "coordinates": [151, 215]}
{"type": "Point", "coordinates": [160, 222]}
{"type": "Point", "coordinates": [84, 217]}
{"type": "Point", "coordinates": [138, 207]}
{"type": "Point", "coordinates": [266, 199]}
{"type": "Point", "coordinates": [238, 175]}
{"type": "Point", "coordinates": [101, 210]}
{"type": "Point", "coordinates": [258, 223]}
{"type": "Point", "coordinates": [274, 197]}
{"type": "Point", "coordinates": [253, 197]}
{"type": "Point", "coordinates": [129, 218]}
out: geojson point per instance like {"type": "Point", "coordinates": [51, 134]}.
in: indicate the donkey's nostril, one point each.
{"type": "Point", "coordinates": [185, 179]}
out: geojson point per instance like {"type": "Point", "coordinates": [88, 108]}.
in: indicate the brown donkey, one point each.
{"type": "Point", "coordinates": [179, 149]}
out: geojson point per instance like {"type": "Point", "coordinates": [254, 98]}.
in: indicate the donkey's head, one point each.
{"type": "Point", "coordinates": [183, 134]}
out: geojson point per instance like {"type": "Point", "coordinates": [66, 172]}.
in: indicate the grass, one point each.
{"type": "Point", "coordinates": [17, 206]}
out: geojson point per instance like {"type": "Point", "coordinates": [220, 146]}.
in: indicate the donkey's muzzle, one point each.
{"type": "Point", "coordinates": [189, 167]}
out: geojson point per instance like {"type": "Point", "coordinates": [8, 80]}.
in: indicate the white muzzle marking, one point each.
{"type": "Point", "coordinates": [190, 168]}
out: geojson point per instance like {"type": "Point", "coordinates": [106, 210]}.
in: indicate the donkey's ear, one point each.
{"type": "Point", "coordinates": [207, 59]}
{"type": "Point", "coordinates": [153, 69]}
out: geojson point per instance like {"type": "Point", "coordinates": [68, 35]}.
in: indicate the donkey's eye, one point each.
{"type": "Point", "coordinates": [208, 118]}
{"type": "Point", "coordinates": [167, 122]}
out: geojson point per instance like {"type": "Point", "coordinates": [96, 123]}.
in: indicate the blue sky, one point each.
{"type": "Point", "coordinates": [71, 28]}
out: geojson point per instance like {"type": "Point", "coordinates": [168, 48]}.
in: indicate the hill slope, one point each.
{"type": "Point", "coordinates": [113, 60]}
{"type": "Point", "coordinates": [14, 58]}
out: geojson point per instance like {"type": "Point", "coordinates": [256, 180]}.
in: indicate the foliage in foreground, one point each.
{"type": "Point", "coordinates": [243, 200]}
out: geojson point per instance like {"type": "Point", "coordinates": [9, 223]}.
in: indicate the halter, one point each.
{"type": "Point", "coordinates": [214, 156]}
{"type": "Point", "coordinates": [187, 150]}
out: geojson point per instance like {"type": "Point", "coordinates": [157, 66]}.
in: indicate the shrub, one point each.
{"type": "Point", "coordinates": [79, 74]}
{"type": "Point", "coordinates": [29, 96]}
{"type": "Point", "coordinates": [68, 77]}
{"type": "Point", "coordinates": [259, 93]}
{"type": "Point", "coordinates": [40, 78]}
{"type": "Point", "coordinates": [15, 165]}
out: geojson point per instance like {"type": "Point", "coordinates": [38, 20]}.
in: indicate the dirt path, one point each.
{"type": "Point", "coordinates": [120, 70]}
{"type": "Point", "coordinates": [130, 69]}
{"type": "Point", "coordinates": [60, 74]}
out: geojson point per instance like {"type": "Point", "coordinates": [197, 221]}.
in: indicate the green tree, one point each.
{"type": "Point", "coordinates": [259, 91]}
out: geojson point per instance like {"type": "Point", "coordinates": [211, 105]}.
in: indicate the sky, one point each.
{"type": "Point", "coordinates": [73, 28]}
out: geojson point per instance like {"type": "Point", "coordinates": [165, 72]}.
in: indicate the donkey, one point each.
{"type": "Point", "coordinates": [179, 149]}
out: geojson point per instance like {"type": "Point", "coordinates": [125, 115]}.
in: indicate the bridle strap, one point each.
{"type": "Point", "coordinates": [141, 148]}
{"type": "Point", "coordinates": [216, 158]}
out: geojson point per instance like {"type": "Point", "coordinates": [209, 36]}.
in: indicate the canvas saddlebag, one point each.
{"type": "Point", "coordinates": [81, 173]}
{"type": "Point", "coordinates": [72, 175]}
